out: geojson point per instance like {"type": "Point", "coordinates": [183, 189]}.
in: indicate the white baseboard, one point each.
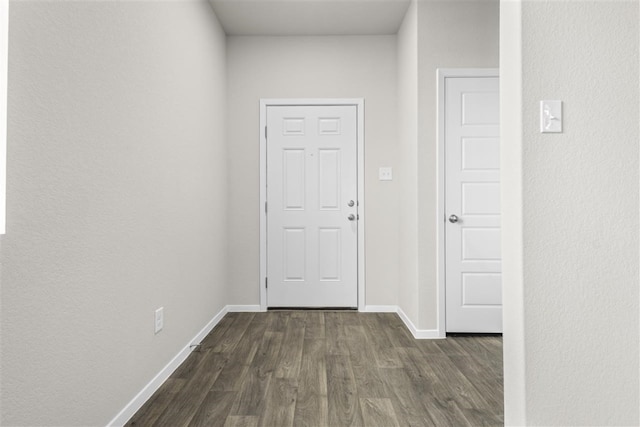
{"type": "Point", "coordinates": [420, 334]}
{"type": "Point", "coordinates": [136, 403]}
{"type": "Point", "coordinates": [380, 309]}
{"type": "Point", "coordinates": [243, 308]}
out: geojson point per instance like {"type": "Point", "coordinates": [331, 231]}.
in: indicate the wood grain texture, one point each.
{"type": "Point", "coordinates": [241, 421]}
{"type": "Point", "coordinates": [330, 368]}
{"type": "Point", "coordinates": [291, 350]}
{"type": "Point", "coordinates": [342, 393]}
{"type": "Point", "coordinates": [311, 405]}
{"type": "Point", "coordinates": [282, 397]}
{"type": "Point", "coordinates": [368, 380]}
{"type": "Point", "coordinates": [407, 401]}
{"type": "Point", "coordinates": [184, 405]}
{"type": "Point", "coordinates": [214, 409]}
{"type": "Point", "coordinates": [378, 412]}
{"type": "Point", "coordinates": [157, 404]}
{"type": "Point", "coordinates": [384, 353]}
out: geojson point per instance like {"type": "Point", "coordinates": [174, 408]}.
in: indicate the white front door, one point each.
{"type": "Point", "coordinates": [312, 207]}
{"type": "Point", "coordinates": [472, 205]}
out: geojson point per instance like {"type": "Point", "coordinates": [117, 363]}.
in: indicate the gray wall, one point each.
{"type": "Point", "coordinates": [312, 67]}
{"type": "Point", "coordinates": [116, 201]}
{"type": "Point", "coordinates": [571, 242]}
{"type": "Point", "coordinates": [408, 78]}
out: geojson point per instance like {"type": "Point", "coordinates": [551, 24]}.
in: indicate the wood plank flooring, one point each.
{"type": "Point", "coordinates": [330, 368]}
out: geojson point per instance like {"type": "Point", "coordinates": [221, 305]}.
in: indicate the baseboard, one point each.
{"type": "Point", "coordinates": [136, 403]}
{"type": "Point", "coordinates": [420, 334]}
{"type": "Point", "coordinates": [243, 308]}
{"type": "Point", "coordinates": [380, 309]}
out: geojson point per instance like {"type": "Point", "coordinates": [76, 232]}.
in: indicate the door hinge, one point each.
{"type": "Point", "coordinates": [266, 282]}
{"type": "Point", "coordinates": [265, 132]}
{"type": "Point", "coordinates": [265, 207]}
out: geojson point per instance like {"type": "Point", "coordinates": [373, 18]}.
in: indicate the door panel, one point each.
{"type": "Point", "coordinates": [293, 180]}
{"type": "Point", "coordinates": [481, 198]}
{"type": "Point", "coordinates": [481, 289]}
{"type": "Point", "coordinates": [294, 250]}
{"type": "Point", "coordinates": [329, 262]}
{"type": "Point", "coordinates": [311, 177]}
{"type": "Point", "coordinates": [479, 154]}
{"type": "Point", "coordinates": [472, 193]}
{"type": "Point", "coordinates": [480, 244]}
{"type": "Point", "coordinates": [329, 179]}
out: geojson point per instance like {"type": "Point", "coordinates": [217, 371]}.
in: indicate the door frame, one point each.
{"type": "Point", "coordinates": [441, 215]}
{"type": "Point", "coordinates": [359, 104]}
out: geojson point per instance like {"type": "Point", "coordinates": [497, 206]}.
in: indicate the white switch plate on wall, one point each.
{"type": "Point", "coordinates": [159, 319]}
{"type": "Point", "coordinates": [385, 174]}
{"type": "Point", "coordinates": [551, 116]}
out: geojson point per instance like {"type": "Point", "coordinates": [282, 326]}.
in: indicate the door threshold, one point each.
{"type": "Point", "coordinates": [311, 309]}
{"type": "Point", "coordinates": [473, 334]}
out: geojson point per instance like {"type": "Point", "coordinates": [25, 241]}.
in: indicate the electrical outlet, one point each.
{"type": "Point", "coordinates": [159, 320]}
{"type": "Point", "coordinates": [385, 174]}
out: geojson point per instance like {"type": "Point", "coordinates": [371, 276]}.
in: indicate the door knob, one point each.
{"type": "Point", "coordinates": [453, 219]}
{"type": "Point", "coordinates": [351, 203]}
{"type": "Point", "coordinates": [351, 217]}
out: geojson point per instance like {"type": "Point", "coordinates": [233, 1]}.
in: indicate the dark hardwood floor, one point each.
{"type": "Point", "coordinates": [325, 368]}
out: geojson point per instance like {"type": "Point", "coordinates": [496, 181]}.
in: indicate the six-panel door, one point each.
{"type": "Point", "coordinates": [472, 194]}
{"type": "Point", "coordinates": [312, 207]}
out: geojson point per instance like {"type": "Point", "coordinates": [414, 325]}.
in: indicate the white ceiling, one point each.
{"type": "Point", "coordinates": [310, 17]}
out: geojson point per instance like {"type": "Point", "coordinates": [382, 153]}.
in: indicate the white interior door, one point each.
{"type": "Point", "coordinates": [312, 208]}
{"type": "Point", "coordinates": [472, 205]}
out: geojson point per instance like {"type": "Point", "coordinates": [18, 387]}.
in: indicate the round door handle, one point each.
{"type": "Point", "coordinates": [453, 219]}
{"type": "Point", "coordinates": [351, 217]}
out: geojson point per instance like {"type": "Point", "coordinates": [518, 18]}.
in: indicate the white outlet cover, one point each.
{"type": "Point", "coordinates": [385, 174]}
{"type": "Point", "coordinates": [551, 116]}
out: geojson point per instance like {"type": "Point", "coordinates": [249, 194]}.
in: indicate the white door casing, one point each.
{"type": "Point", "coordinates": [311, 196]}
{"type": "Point", "coordinates": [472, 204]}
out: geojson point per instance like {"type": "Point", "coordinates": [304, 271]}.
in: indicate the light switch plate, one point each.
{"type": "Point", "coordinates": [159, 319]}
{"type": "Point", "coordinates": [551, 116]}
{"type": "Point", "coordinates": [385, 174]}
